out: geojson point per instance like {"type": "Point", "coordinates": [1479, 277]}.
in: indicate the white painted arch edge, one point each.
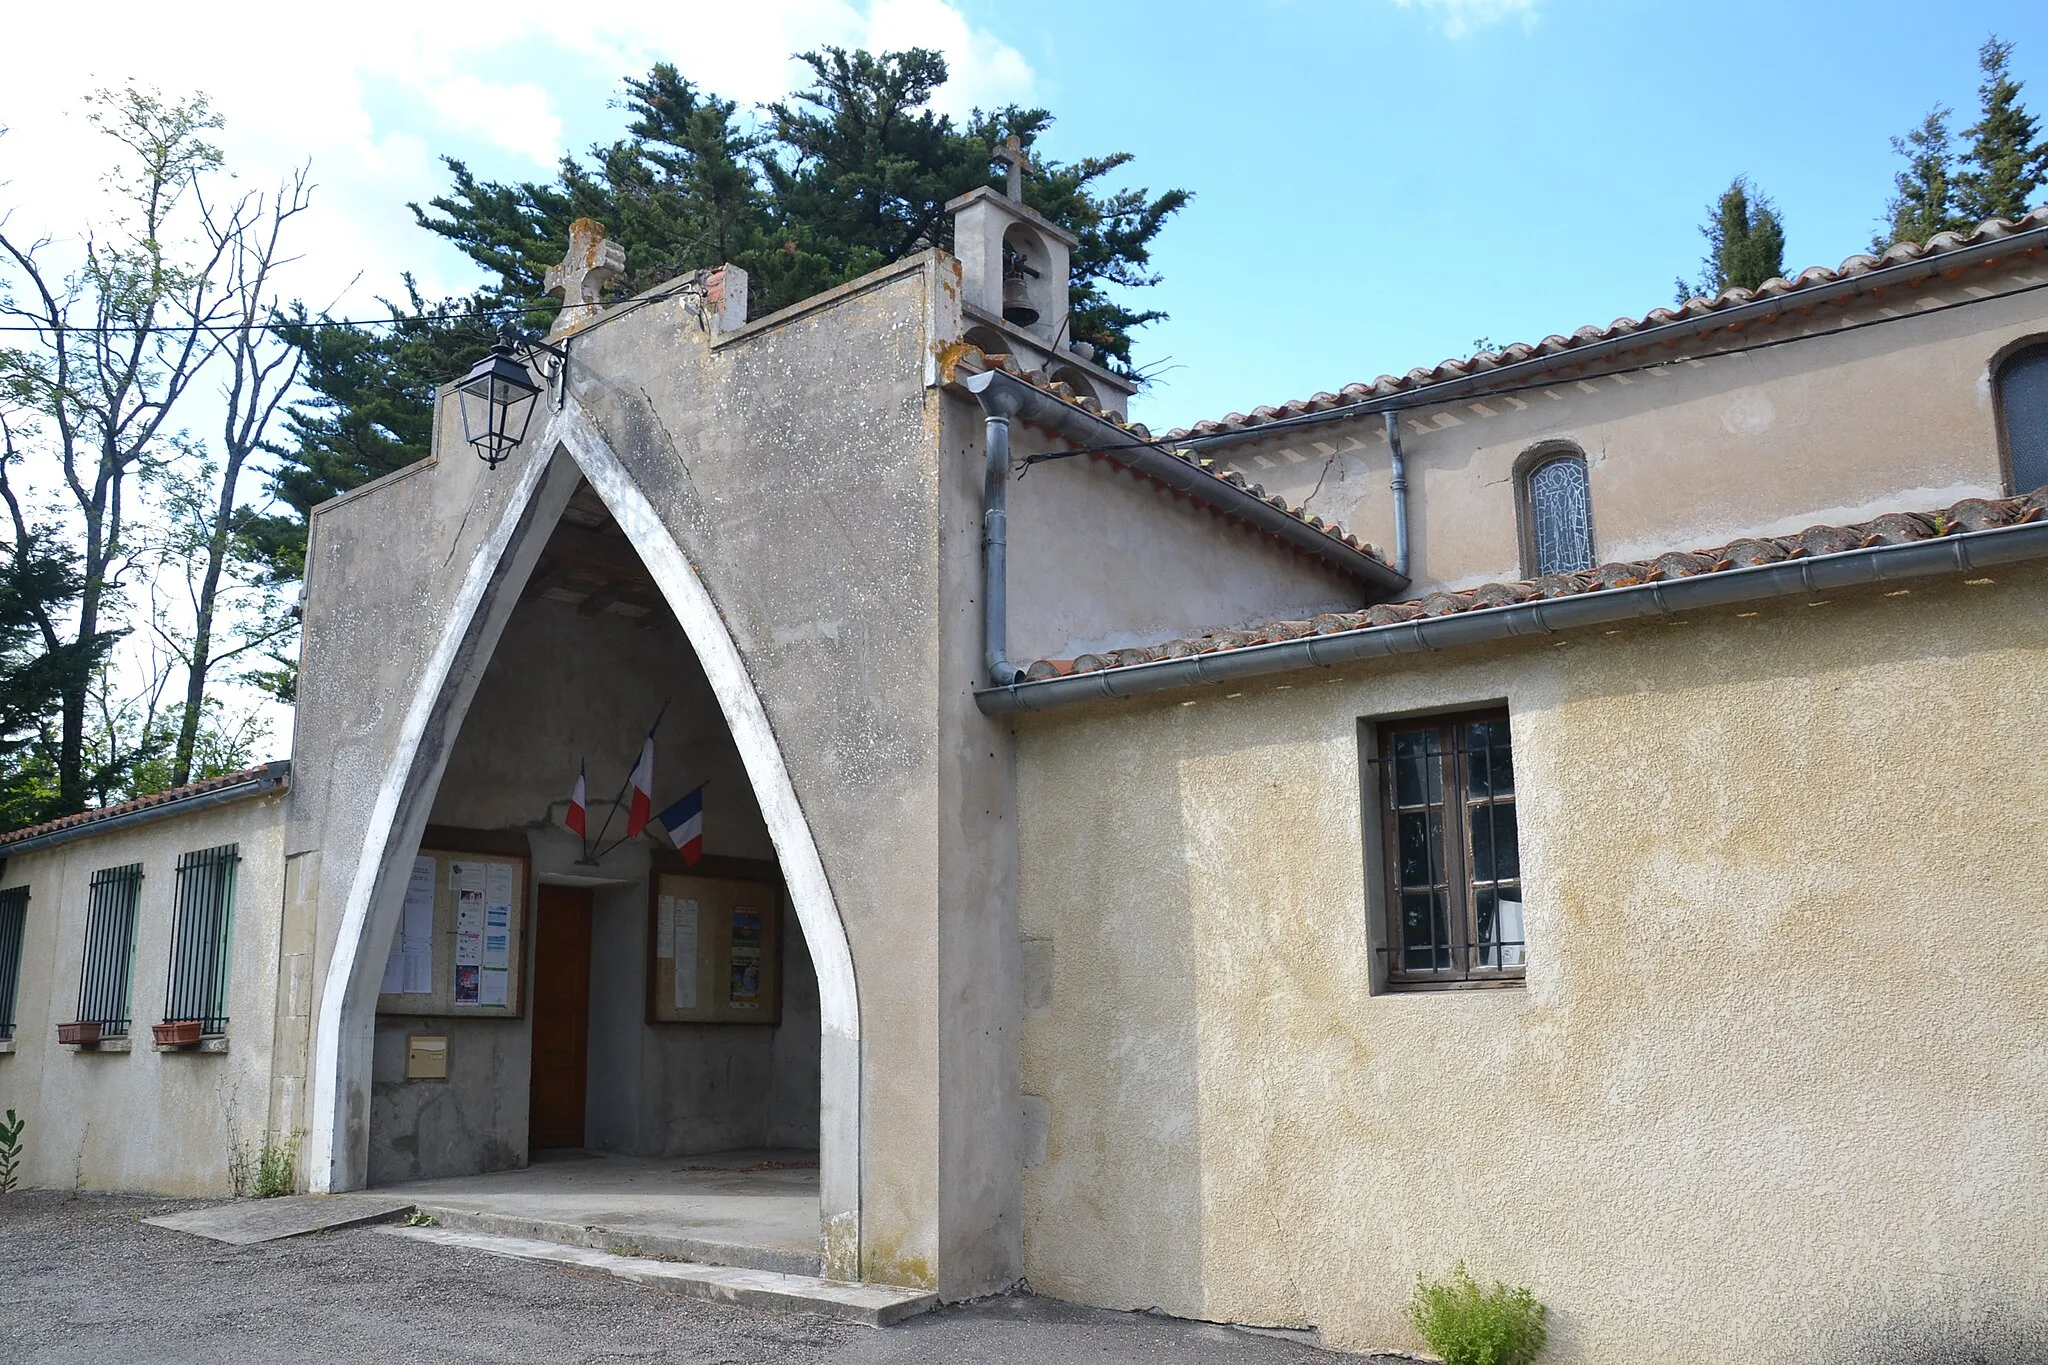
{"type": "Point", "coordinates": [802, 868]}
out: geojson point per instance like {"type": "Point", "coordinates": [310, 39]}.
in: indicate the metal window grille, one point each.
{"type": "Point", "coordinates": [109, 948]}
{"type": "Point", "coordinates": [13, 927]}
{"type": "Point", "coordinates": [198, 986]}
{"type": "Point", "coordinates": [1561, 513]}
{"type": "Point", "coordinates": [1453, 856]}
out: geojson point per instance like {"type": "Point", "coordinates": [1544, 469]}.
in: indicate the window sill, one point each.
{"type": "Point", "coordinates": [1488, 983]}
{"type": "Point", "coordinates": [204, 1045]}
{"type": "Point", "coordinates": [6, 1046]}
{"type": "Point", "coordinates": [103, 1045]}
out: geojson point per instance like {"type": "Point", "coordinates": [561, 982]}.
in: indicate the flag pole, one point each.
{"type": "Point", "coordinates": [699, 787]}
{"type": "Point", "coordinates": [594, 857]}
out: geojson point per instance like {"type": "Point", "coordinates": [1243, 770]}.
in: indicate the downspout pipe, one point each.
{"type": "Point", "coordinates": [999, 404]}
{"type": "Point", "coordinates": [1399, 484]}
{"type": "Point", "coordinates": [1810, 577]}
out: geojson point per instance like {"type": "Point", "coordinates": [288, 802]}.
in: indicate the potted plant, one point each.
{"type": "Point", "coordinates": [179, 1032]}
{"type": "Point", "coordinates": [85, 1033]}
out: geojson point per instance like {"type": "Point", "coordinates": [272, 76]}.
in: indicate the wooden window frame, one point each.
{"type": "Point", "coordinates": [1461, 917]}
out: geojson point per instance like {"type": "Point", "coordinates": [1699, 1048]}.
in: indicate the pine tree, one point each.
{"type": "Point", "coordinates": [2007, 160]}
{"type": "Point", "coordinates": [1745, 243]}
{"type": "Point", "coordinates": [1924, 198]}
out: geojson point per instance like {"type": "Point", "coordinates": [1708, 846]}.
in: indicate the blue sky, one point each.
{"type": "Point", "coordinates": [1377, 182]}
{"type": "Point", "coordinates": [1373, 194]}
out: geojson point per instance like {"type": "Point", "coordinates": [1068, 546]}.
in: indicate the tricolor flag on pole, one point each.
{"type": "Point", "coordinates": [578, 801]}
{"type": "Point", "coordinates": [684, 822]}
{"type": "Point", "coordinates": [643, 790]}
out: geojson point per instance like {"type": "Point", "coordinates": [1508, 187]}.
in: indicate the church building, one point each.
{"type": "Point", "coordinates": [1565, 810]}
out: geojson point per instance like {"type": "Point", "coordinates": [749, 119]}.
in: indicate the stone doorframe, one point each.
{"type": "Point", "coordinates": [337, 1143]}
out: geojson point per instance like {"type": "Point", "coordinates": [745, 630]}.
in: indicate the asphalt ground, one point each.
{"type": "Point", "coordinates": [84, 1282]}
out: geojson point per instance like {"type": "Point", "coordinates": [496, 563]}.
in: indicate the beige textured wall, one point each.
{"type": "Point", "coordinates": [1776, 1090]}
{"type": "Point", "coordinates": [1832, 429]}
{"type": "Point", "coordinates": [165, 1122]}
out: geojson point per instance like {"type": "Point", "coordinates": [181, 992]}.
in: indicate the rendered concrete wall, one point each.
{"type": "Point", "coordinates": [1833, 429]}
{"type": "Point", "coordinates": [1774, 1091]}
{"type": "Point", "coordinates": [1100, 560]}
{"type": "Point", "coordinates": [180, 1122]}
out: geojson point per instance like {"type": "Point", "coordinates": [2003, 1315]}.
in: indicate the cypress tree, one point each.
{"type": "Point", "coordinates": [1745, 243]}
{"type": "Point", "coordinates": [1924, 198]}
{"type": "Point", "coordinates": [2007, 160]}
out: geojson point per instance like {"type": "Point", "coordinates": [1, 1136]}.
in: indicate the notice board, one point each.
{"type": "Point", "coordinates": [714, 948]}
{"type": "Point", "coordinates": [460, 947]}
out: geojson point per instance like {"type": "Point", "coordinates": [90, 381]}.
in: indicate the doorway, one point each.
{"type": "Point", "coordinates": [561, 1018]}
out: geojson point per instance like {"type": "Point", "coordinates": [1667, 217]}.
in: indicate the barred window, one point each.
{"type": "Point", "coordinates": [13, 928]}
{"type": "Point", "coordinates": [1560, 504]}
{"type": "Point", "coordinates": [1453, 852]}
{"type": "Point", "coordinates": [109, 948]}
{"type": "Point", "coordinates": [2023, 407]}
{"type": "Point", "coordinates": [198, 986]}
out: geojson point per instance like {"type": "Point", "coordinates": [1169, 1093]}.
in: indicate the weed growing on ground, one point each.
{"type": "Point", "coordinates": [1467, 1325]}
{"type": "Point", "coordinates": [10, 1151]}
{"type": "Point", "coordinates": [416, 1219]}
{"type": "Point", "coordinates": [276, 1170]}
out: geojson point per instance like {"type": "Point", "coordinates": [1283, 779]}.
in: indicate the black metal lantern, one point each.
{"type": "Point", "coordinates": [497, 403]}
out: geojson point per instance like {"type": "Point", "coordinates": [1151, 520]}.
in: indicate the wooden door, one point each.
{"type": "Point", "coordinates": [561, 1018]}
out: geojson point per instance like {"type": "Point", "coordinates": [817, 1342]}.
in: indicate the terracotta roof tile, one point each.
{"type": "Point", "coordinates": [1386, 385]}
{"type": "Point", "coordinates": [140, 803]}
{"type": "Point", "coordinates": [1971, 514]}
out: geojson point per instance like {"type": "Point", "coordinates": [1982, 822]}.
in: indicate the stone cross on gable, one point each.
{"type": "Point", "coordinates": [593, 262]}
{"type": "Point", "coordinates": [1010, 151]}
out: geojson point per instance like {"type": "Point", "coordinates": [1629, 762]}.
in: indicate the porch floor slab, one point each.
{"type": "Point", "coordinates": [754, 1209]}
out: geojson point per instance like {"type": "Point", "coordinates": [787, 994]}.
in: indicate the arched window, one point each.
{"type": "Point", "coordinates": [2023, 405]}
{"type": "Point", "coordinates": [1557, 512]}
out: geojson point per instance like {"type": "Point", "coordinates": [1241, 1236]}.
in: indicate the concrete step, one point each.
{"type": "Point", "coordinates": [627, 1241]}
{"type": "Point", "coordinates": [873, 1304]}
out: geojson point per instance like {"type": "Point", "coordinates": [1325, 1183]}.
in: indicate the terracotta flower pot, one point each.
{"type": "Point", "coordinates": [84, 1034]}
{"type": "Point", "coordinates": [179, 1032]}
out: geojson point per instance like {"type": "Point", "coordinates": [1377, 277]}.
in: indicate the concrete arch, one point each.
{"type": "Point", "coordinates": [338, 1137]}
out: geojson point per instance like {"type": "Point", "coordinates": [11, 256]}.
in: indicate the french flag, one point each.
{"type": "Point", "coordinates": [643, 790]}
{"type": "Point", "coordinates": [684, 822]}
{"type": "Point", "coordinates": [577, 817]}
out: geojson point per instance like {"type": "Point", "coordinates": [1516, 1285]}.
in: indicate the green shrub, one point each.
{"type": "Point", "coordinates": [10, 1151]}
{"type": "Point", "coordinates": [275, 1170]}
{"type": "Point", "coordinates": [1467, 1325]}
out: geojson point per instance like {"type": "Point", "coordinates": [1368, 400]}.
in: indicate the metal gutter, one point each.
{"type": "Point", "coordinates": [1001, 392]}
{"type": "Point", "coordinates": [1806, 577]}
{"type": "Point", "coordinates": [1673, 332]}
{"type": "Point", "coordinates": [274, 776]}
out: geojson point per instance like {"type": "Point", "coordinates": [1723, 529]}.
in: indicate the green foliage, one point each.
{"type": "Point", "coordinates": [1467, 1325]}
{"type": "Point", "coordinates": [39, 584]}
{"type": "Point", "coordinates": [2007, 158]}
{"type": "Point", "coordinates": [1924, 198]}
{"type": "Point", "coordinates": [370, 411]}
{"type": "Point", "coordinates": [10, 1151]}
{"type": "Point", "coordinates": [276, 1169]}
{"type": "Point", "coordinates": [847, 175]}
{"type": "Point", "coordinates": [1745, 243]}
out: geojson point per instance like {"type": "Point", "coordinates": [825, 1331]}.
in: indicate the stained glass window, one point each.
{"type": "Point", "coordinates": [2023, 395]}
{"type": "Point", "coordinates": [1561, 516]}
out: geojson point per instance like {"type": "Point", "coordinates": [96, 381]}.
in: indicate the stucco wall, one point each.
{"type": "Point", "coordinates": [1774, 1091]}
{"type": "Point", "coordinates": [1100, 560]}
{"type": "Point", "coordinates": [169, 1122]}
{"type": "Point", "coordinates": [1833, 429]}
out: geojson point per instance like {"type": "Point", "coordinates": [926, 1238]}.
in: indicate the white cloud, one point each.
{"type": "Point", "coordinates": [1460, 17]}
{"type": "Point", "coordinates": [373, 92]}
